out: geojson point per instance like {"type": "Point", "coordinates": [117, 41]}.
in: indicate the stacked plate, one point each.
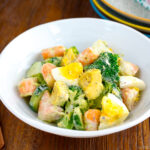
{"type": "Point", "coordinates": [128, 12]}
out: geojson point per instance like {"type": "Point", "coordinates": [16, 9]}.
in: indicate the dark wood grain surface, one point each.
{"type": "Point", "coordinates": [16, 16]}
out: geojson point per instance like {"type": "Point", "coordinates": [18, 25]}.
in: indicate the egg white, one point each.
{"type": "Point", "coordinates": [56, 73]}
{"type": "Point", "coordinates": [106, 121]}
{"type": "Point", "coordinates": [99, 47]}
{"type": "Point", "coordinates": [130, 81]}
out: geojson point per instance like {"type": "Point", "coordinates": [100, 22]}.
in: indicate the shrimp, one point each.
{"type": "Point", "coordinates": [53, 52]}
{"type": "Point", "coordinates": [47, 111]}
{"type": "Point", "coordinates": [27, 86]}
{"type": "Point", "coordinates": [127, 68]}
{"type": "Point", "coordinates": [130, 97]}
{"type": "Point", "coordinates": [46, 72]}
{"type": "Point", "coordinates": [87, 57]}
{"type": "Point", "coordinates": [90, 54]}
{"type": "Point", "coordinates": [91, 119]}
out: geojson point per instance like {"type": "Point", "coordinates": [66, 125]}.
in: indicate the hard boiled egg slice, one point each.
{"type": "Point", "coordinates": [130, 82]}
{"type": "Point", "coordinates": [69, 73]}
{"type": "Point", "coordinates": [113, 111]}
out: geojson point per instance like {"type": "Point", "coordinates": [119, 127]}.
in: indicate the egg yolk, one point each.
{"type": "Point", "coordinates": [72, 71]}
{"type": "Point", "coordinates": [111, 109]}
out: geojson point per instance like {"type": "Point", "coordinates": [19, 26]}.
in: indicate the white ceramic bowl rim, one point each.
{"type": "Point", "coordinates": [67, 132]}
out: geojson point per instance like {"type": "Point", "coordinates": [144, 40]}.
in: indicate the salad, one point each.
{"type": "Point", "coordinates": [91, 90]}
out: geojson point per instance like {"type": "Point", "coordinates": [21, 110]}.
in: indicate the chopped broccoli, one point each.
{"type": "Point", "coordinates": [76, 92]}
{"type": "Point", "coordinates": [54, 60]}
{"type": "Point", "coordinates": [116, 91]}
{"type": "Point", "coordinates": [112, 88]}
{"type": "Point", "coordinates": [77, 98]}
{"type": "Point", "coordinates": [108, 64]}
{"type": "Point", "coordinates": [75, 88]}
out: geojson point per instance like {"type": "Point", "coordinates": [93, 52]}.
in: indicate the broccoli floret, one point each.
{"type": "Point", "coordinates": [112, 88]}
{"type": "Point", "coordinates": [116, 91]}
{"type": "Point", "coordinates": [108, 64]}
{"type": "Point", "coordinates": [74, 49]}
{"type": "Point", "coordinates": [54, 60]}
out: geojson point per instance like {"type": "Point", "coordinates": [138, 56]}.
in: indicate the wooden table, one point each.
{"type": "Point", "coordinates": [17, 16]}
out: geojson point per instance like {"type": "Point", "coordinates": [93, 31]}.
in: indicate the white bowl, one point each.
{"type": "Point", "coordinates": [81, 32]}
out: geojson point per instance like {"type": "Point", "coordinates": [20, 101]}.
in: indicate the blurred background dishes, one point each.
{"type": "Point", "coordinates": [105, 12]}
{"type": "Point", "coordinates": [130, 9]}
{"type": "Point", "coordinates": [144, 3]}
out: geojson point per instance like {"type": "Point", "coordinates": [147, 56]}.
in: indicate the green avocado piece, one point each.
{"type": "Point", "coordinates": [78, 119]}
{"type": "Point", "coordinates": [36, 97]}
{"type": "Point", "coordinates": [34, 69]}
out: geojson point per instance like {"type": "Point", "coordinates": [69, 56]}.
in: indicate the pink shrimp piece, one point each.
{"type": "Point", "coordinates": [91, 119]}
{"type": "Point", "coordinates": [53, 52]}
{"type": "Point", "coordinates": [87, 57]}
{"type": "Point", "coordinates": [47, 111]}
{"type": "Point", "coordinates": [47, 75]}
{"type": "Point", "coordinates": [27, 87]}
{"type": "Point", "coordinates": [130, 96]}
{"type": "Point", "coordinates": [127, 68]}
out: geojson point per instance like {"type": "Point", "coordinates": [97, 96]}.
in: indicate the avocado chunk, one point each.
{"type": "Point", "coordinates": [40, 78]}
{"type": "Point", "coordinates": [36, 97]}
{"type": "Point", "coordinates": [59, 94]}
{"type": "Point", "coordinates": [91, 83]}
{"type": "Point", "coordinates": [66, 121]}
{"type": "Point", "coordinates": [78, 119]}
{"type": "Point", "coordinates": [34, 69]}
